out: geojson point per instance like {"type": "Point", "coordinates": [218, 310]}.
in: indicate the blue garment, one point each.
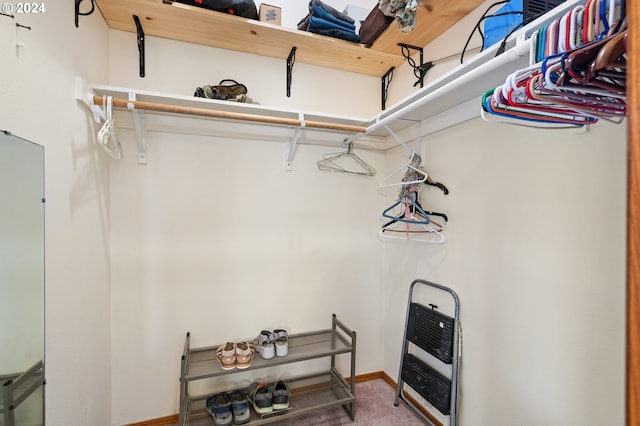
{"type": "Point", "coordinates": [325, 20]}
{"type": "Point", "coordinates": [335, 33]}
{"type": "Point", "coordinates": [341, 16]}
{"type": "Point", "coordinates": [319, 23]}
{"type": "Point", "coordinates": [319, 12]}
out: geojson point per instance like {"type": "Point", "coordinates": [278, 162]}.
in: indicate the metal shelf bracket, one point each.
{"type": "Point", "coordinates": [418, 70]}
{"type": "Point", "coordinates": [290, 61]}
{"type": "Point", "coordinates": [78, 13]}
{"type": "Point", "coordinates": [386, 80]}
{"type": "Point", "coordinates": [140, 38]}
{"type": "Point", "coordinates": [138, 122]}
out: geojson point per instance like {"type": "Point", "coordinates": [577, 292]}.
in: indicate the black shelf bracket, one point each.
{"type": "Point", "coordinates": [290, 61]}
{"type": "Point", "coordinates": [140, 38]}
{"type": "Point", "coordinates": [418, 70]}
{"type": "Point", "coordinates": [78, 13]}
{"type": "Point", "coordinates": [386, 80]}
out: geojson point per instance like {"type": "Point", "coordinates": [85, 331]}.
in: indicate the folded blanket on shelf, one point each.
{"type": "Point", "coordinates": [325, 20]}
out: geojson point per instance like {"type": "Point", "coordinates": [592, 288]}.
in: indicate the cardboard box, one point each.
{"type": "Point", "coordinates": [270, 14]}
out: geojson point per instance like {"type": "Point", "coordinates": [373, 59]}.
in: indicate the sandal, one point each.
{"type": "Point", "coordinates": [226, 355]}
{"type": "Point", "coordinates": [244, 355]}
{"type": "Point", "coordinates": [280, 395]}
{"type": "Point", "coordinates": [219, 407]}
{"type": "Point", "coordinates": [260, 395]}
{"type": "Point", "coordinates": [281, 342]}
{"type": "Point", "coordinates": [240, 407]}
{"type": "Point", "coordinates": [264, 344]}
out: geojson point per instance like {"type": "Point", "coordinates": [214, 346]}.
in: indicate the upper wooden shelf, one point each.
{"type": "Point", "coordinates": [192, 24]}
{"type": "Point", "coordinates": [202, 26]}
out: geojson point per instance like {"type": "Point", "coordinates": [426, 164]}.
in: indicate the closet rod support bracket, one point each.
{"type": "Point", "coordinates": [292, 143]}
{"type": "Point", "coordinates": [138, 122]}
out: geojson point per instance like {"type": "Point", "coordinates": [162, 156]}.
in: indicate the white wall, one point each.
{"type": "Point", "coordinates": [38, 103]}
{"type": "Point", "coordinates": [522, 207]}
{"type": "Point", "coordinates": [180, 230]}
{"type": "Point", "coordinates": [178, 68]}
{"type": "Point", "coordinates": [536, 252]}
{"type": "Point", "coordinates": [215, 238]}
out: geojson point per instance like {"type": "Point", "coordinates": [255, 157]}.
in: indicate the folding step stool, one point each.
{"type": "Point", "coordinates": [438, 335]}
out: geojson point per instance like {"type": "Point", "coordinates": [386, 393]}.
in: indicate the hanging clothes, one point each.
{"type": "Point", "coordinates": [404, 12]}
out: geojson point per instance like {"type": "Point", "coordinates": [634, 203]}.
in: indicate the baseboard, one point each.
{"type": "Point", "coordinates": [173, 419]}
{"type": "Point", "coordinates": [161, 421]}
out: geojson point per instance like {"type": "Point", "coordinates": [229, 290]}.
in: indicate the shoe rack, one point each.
{"type": "Point", "coordinates": [309, 392]}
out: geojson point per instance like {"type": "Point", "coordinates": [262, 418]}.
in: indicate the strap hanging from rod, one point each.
{"type": "Point", "coordinates": [140, 38]}
{"type": "Point", "coordinates": [290, 61]}
{"type": "Point", "coordinates": [418, 70]}
{"type": "Point", "coordinates": [386, 80]}
{"type": "Point", "coordinates": [150, 106]}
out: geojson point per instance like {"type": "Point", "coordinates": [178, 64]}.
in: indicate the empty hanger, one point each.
{"type": "Point", "coordinates": [339, 162]}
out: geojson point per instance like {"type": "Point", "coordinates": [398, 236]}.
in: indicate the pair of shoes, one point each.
{"type": "Point", "coordinates": [272, 343]}
{"type": "Point", "coordinates": [267, 398]}
{"type": "Point", "coordinates": [226, 408]}
{"type": "Point", "coordinates": [235, 355]}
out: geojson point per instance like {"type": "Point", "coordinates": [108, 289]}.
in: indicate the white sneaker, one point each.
{"type": "Point", "coordinates": [264, 344]}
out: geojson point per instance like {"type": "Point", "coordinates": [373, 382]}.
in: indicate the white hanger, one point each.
{"type": "Point", "coordinates": [404, 169]}
{"type": "Point", "coordinates": [107, 132]}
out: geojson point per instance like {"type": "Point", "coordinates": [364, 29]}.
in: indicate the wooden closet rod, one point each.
{"type": "Point", "coordinates": [149, 106]}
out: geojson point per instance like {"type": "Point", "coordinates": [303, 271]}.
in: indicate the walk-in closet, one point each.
{"type": "Point", "coordinates": [306, 207]}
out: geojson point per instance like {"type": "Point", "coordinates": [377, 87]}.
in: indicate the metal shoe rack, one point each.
{"type": "Point", "coordinates": [309, 392]}
{"type": "Point", "coordinates": [438, 335]}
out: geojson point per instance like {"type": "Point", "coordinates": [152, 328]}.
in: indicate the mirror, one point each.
{"type": "Point", "coordinates": [21, 281]}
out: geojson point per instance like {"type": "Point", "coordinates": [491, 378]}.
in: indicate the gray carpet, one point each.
{"type": "Point", "coordinates": [373, 405]}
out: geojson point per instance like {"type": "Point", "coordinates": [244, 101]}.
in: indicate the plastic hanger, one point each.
{"type": "Point", "coordinates": [409, 170]}
{"type": "Point", "coordinates": [107, 132]}
{"type": "Point", "coordinates": [413, 233]}
{"type": "Point", "coordinates": [337, 162]}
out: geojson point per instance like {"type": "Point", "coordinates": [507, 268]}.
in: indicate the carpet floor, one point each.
{"type": "Point", "coordinates": [373, 407]}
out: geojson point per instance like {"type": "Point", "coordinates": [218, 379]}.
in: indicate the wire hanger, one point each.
{"type": "Point", "coordinates": [338, 162]}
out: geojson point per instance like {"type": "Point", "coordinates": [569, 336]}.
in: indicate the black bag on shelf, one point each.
{"type": "Point", "coordinates": [244, 8]}
{"type": "Point", "coordinates": [374, 25]}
